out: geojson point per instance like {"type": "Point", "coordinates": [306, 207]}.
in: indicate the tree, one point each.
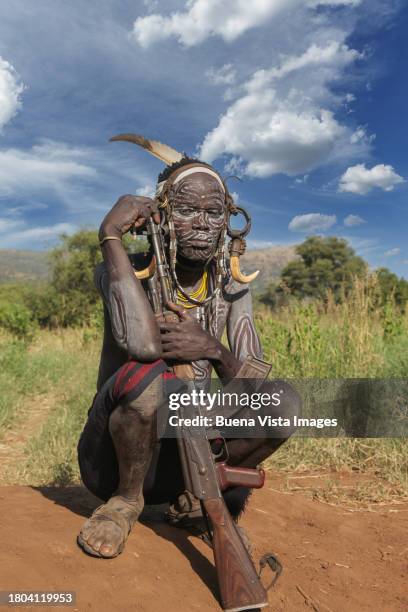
{"type": "Point", "coordinates": [73, 263]}
{"type": "Point", "coordinates": [326, 263]}
{"type": "Point", "coordinates": [392, 287]}
{"type": "Point", "coordinates": [70, 298]}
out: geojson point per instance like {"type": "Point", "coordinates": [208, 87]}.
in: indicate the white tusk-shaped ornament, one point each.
{"type": "Point", "coordinates": [146, 272]}
{"type": "Point", "coordinates": [237, 274]}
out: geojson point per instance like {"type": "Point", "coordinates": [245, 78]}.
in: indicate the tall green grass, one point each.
{"type": "Point", "coordinates": [353, 339]}
{"type": "Point", "coordinates": [324, 339]}
{"type": "Point", "coordinates": [28, 371]}
{"type": "Point", "coordinates": [52, 454]}
{"type": "Point", "coordinates": [62, 367]}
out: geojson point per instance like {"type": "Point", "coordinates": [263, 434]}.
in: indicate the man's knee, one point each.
{"type": "Point", "coordinates": [148, 402]}
{"type": "Point", "coordinates": [142, 409]}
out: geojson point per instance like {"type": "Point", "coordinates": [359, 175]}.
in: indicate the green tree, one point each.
{"type": "Point", "coordinates": [392, 287]}
{"type": "Point", "coordinates": [72, 295]}
{"type": "Point", "coordinates": [326, 263]}
{"type": "Point", "coordinates": [72, 264]}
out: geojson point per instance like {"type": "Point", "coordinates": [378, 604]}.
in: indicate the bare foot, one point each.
{"type": "Point", "coordinates": [104, 534]}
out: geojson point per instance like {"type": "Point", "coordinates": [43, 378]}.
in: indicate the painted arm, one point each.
{"type": "Point", "coordinates": [242, 335]}
{"type": "Point", "coordinates": [132, 320]}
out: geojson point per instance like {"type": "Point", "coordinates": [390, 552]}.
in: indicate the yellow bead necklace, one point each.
{"type": "Point", "coordinates": [199, 294]}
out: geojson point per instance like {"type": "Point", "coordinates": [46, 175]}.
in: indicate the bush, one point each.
{"type": "Point", "coordinates": [17, 320]}
{"type": "Point", "coordinates": [43, 302]}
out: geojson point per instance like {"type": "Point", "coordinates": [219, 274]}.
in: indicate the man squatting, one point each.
{"type": "Point", "coordinates": [121, 460]}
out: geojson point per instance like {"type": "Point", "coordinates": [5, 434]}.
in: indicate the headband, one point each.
{"type": "Point", "coordinates": [188, 172]}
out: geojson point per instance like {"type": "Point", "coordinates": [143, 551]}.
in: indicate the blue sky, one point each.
{"type": "Point", "coordinates": [304, 99]}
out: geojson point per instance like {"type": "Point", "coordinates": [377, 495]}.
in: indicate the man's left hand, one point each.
{"type": "Point", "coordinates": [186, 340]}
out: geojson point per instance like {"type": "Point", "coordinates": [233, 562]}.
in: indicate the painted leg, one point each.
{"type": "Point", "coordinates": [133, 431]}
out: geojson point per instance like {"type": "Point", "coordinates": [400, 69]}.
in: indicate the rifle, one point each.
{"type": "Point", "coordinates": [239, 583]}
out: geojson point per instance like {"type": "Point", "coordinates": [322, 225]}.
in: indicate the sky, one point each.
{"type": "Point", "coordinates": [303, 100]}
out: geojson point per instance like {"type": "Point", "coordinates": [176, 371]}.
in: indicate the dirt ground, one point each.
{"type": "Point", "coordinates": [334, 559]}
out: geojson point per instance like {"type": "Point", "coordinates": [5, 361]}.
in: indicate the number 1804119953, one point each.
{"type": "Point", "coordinates": [21, 598]}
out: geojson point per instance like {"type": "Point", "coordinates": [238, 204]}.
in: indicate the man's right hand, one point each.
{"type": "Point", "coordinates": [128, 211]}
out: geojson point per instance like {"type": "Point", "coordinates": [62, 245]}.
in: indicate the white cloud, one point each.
{"type": "Point", "coordinates": [15, 233]}
{"type": "Point", "coordinates": [360, 135]}
{"type": "Point", "coordinates": [225, 75]}
{"type": "Point", "coordinates": [392, 252]}
{"type": "Point", "coordinates": [361, 180]}
{"type": "Point", "coordinates": [283, 122]}
{"type": "Point", "coordinates": [228, 19]}
{"type": "Point", "coordinates": [7, 225]}
{"type": "Point", "coordinates": [253, 243]}
{"type": "Point", "coordinates": [22, 208]}
{"type": "Point", "coordinates": [363, 246]}
{"type": "Point", "coordinates": [10, 92]}
{"type": "Point", "coordinates": [151, 5]}
{"type": "Point", "coordinates": [47, 166]}
{"type": "Point", "coordinates": [148, 190]}
{"type": "Point", "coordinates": [334, 2]}
{"type": "Point", "coordinates": [302, 179]}
{"type": "Point", "coordinates": [353, 220]}
{"type": "Point", "coordinates": [315, 55]}
{"type": "Point", "coordinates": [312, 222]}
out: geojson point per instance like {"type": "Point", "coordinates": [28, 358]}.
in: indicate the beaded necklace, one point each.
{"type": "Point", "coordinates": [199, 294]}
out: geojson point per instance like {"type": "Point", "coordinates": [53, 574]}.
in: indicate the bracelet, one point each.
{"type": "Point", "coordinates": [109, 238]}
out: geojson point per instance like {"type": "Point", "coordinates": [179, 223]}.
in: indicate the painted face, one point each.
{"type": "Point", "coordinates": [199, 214]}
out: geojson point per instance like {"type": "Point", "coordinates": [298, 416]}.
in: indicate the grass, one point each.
{"type": "Point", "coordinates": [58, 364]}
{"type": "Point", "coordinates": [328, 340]}
{"type": "Point", "coordinates": [315, 340]}
{"type": "Point", "coordinates": [386, 460]}
{"type": "Point", "coordinates": [355, 339]}
{"type": "Point", "coordinates": [26, 371]}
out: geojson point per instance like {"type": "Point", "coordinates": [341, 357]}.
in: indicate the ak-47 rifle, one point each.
{"type": "Point", "coordinates": [239, 583]}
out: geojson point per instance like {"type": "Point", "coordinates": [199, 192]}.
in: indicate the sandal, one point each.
{"type": "Point", "coordinates": [116, 511]}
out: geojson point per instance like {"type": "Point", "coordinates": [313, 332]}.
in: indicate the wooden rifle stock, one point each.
{"type": "Point", "coordinates": [239, 584]}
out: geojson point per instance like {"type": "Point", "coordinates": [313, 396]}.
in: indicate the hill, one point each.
{"type": "Point", "coordinates": [16, 265]}
{"type": "Point", "coordinates": [269, 261]}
